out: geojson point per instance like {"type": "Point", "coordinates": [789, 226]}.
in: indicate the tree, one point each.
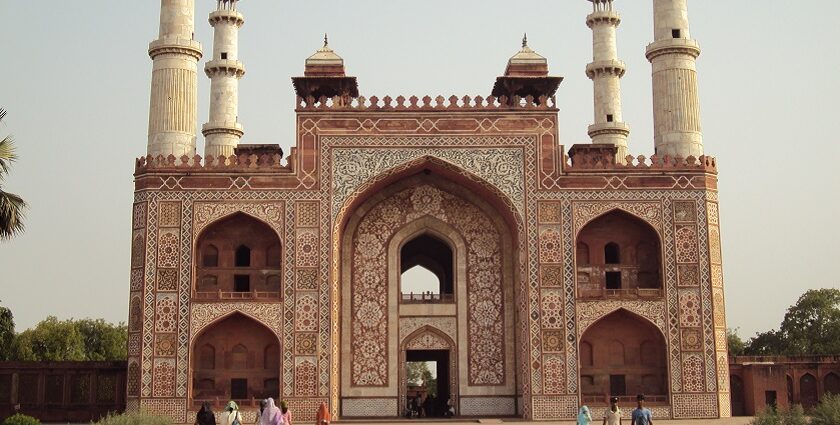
{"type": "Point", "coordinates": [50, 340]}
{"type": "Point", "coordinates": [429, 381]}
{"type": "Point", "coordinates": [734, 342]}
{"type": "Point", "coordinates": [768, 343]}
{"type": "Point", "coordinates": [103, 340]}
{"type": "Point", "coordinates": [71, 340]}
{"type": "Point", "coordinates": [7, 333]}
{"type": "Point", "coordinates": [812, 325]}
{"type": "Point", "coordinates": [415, 372]}
{"type": "Point", "coordinates": [11, 205]}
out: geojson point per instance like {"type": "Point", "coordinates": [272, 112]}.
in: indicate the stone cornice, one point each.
{"type": "Point", "coordinates": [609, 67]}
{"type": "Point", "coordinates": [230, 16]}
{"type": "Point", "coordinates": [603, 17]}
{"type": "Point", "coordinates": [232, 68]}
{"type": "Point", "coordinates": [175, 46]}
{"type": "Point", "coordinates": [601, 129]}
{"type": "Point", "coordinates": [673, 46]}
{"type": "Point", "coordinates": [232, 128]}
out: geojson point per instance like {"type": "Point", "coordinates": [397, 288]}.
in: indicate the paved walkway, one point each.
{"type": "Point", "coordinates": [729, 421]}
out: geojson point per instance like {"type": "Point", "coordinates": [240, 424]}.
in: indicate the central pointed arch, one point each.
{"type": "Point", "coordinates": [448, 178]}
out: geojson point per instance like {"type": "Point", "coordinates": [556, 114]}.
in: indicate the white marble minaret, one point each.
{"type": "Point", "coordinates": [606, 71]}
{"type": "Point", "coordinates": [676, 106]}
{"type": "Point", "coordinates": [223, 131]}
{"type": "Point", "coordinates": [173, 107]}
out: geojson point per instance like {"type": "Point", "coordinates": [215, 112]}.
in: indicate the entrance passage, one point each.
{"type": "Point", "coordinates": [426, 394]}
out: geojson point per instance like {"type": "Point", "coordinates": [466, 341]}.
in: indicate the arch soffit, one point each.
{"type": "Point", "coordinates": [423, 330]}
{"type": "Point", "coordinates": [204, 316]}
{"type": "Point", "coordinates": [206, 214]}
{"type": "Point", "coordinates": [485, 190]}
{"type": "Point", "coordinates": [654, 318]}
{"type": "Point", "coordinates": [649, 213]}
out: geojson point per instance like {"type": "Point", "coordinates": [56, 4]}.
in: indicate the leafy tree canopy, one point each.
{"type": "Point", "coordinates": [7, 333]}
{"type": "Point", "coordinates": [70, 340]}
{"type": "Point", "coordinates": [734, 342]}
{"type": "Point", "coordinates": [810, 327]}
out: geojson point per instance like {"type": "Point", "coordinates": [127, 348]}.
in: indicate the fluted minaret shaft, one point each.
{"type": "Point", "coordinates": [223, 131]}
{"type": "Point", "coordinates": [676, 104]}
{"type": "Point", "coordinates": [173, 104]}
{"type": "Point", "coordinates": [606, 71]}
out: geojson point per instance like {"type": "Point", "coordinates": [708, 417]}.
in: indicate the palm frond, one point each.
{"type": "Point", "coordinates": [11, 215]}
{"type": "Point", "coordinates": [7, 154]}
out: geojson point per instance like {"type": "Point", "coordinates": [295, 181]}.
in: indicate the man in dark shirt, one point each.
{"type": "Point", "coordinates": [641, 415]}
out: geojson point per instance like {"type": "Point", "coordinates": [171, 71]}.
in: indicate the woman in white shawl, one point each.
{"type": "Point", "coordinates": [271, 415]}
{"type": "Point", "coordinates": [233, 416]}
{"type": "Point", "coordinates": [584, 417]}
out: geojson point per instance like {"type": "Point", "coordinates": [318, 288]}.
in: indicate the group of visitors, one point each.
{"type": "Point", "coordinates": [429, 407]}
{"type": "Point", "coordinates": [269, 414]}
{"type": "Point", "coordinates": [612, 416]}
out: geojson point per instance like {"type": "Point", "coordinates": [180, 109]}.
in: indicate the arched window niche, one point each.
{"type": "Point", "coordinates": [618, 256]}
{"type": "Point", "coordinates": [238, 258]}
{"type": "Point", "coordinates": [426, 270]}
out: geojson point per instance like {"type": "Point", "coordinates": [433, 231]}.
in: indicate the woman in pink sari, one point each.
{"type": "Point", "coordinates": [271, 415]}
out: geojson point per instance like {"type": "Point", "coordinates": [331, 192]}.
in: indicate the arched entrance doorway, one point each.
{"type": "Point", "coordinates": [736, 388]}
{"type": "Point", "coordinates": [430, 346]}
{"type": "Point", "coordinates": [623, 355]}
{"type": "Point", "coordinates": [831, 384]}
{"type": "Point", "coordinates": [428, 221]}
{"type": "Point", "coordinates": [808, 391]}
{"type": "Point", "coordinates": [236, 358]}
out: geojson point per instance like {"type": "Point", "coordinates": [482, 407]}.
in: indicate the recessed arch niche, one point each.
{"type": "Point", "coordinates": [238, 257]}
{"type": "Point", "coordinates": [233, 353]}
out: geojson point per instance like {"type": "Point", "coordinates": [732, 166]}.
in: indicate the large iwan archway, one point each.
{"type": "Point", "coordinates": [623, 355]}
{"type": "Point", "coordinates": [462, 240]}
{"type": "Point", "coordinates": [236, 358]}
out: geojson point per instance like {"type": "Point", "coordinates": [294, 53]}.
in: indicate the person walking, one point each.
{"type": "Point", "coordinates": [271, 415]}
{"type": "Point", "coordinates": [323, 417]}
{"type": "Point", "coordinates": [450, 408]}
{"type": "Point", "coordinates": [584, 417]}
{"type": "Point", "coordinates": [641, 415]}
{"type": "Point", "coordinates": [258, 420]}
{"type": "Point", "coordinates": [233, 416]}
{"type": "Point", "coordinates": [287, 414]}
{"type": "Point", "coordinates": [205, 416]}
{"type": "Point", "coordinates": [613, 414]}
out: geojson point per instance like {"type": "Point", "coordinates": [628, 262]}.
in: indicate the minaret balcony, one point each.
{"type": "Point", "coordinates": [601, 17]}
{"type": "Point", "coordinates": [175, 46]}
{"type": "Point", "coordinates": [231, 17]}
{"type": "Point", "coordinates": [233, 128]}
{"type": "Point", "coordinates": [228, 67]}
{"type": "Point", "coordinates": [669, 46]}
{"type": "Point", "coordinates": [613, 67]}
{"type": "Point", "coordinates": [616, 128]}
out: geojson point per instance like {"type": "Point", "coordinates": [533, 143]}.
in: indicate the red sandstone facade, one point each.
{"type": "Point", "coordinates": [759, 382]}
{"type": "Point", "coordinates": [571, 277]}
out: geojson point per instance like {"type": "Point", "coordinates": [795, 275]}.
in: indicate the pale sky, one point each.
{"type": "Point", "coordinates": [75, 79]}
